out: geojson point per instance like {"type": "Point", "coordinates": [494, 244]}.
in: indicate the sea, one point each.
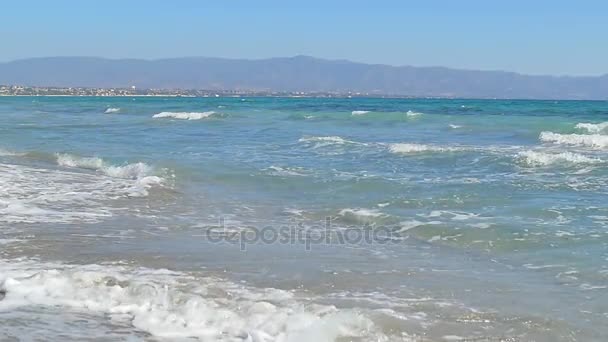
{"type": "Point", "coordinates": [303, 219]}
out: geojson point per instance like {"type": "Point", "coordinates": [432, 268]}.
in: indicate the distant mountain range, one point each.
{"type": "Point", "coordinates": [300, 73]}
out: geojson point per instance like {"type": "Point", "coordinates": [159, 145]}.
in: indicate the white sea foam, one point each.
{"type": "Point", "coordinates": [287, 171]}
{"type": "Point", "coordinates": [412, 114]}
{"type": "Point", "coordinates": [112, 110]}
{"type": "Point", "coordinates": [359, 112]}
{"type": "Point", "coordinates": [452, 126]}
{"type": "Point", "coordinates": [593, 128]}
{"type": "Point", "coordinates": [536, 158]}
{"type": "Point", "coordinates": [184, 115]}
{"type": "Point", "coordinates": [6, 153]}
{"type": "Point", "coordinates": [327, 141]}
{"type": "Point", "coordinates": [361, 215]}
{"type": "Point", "coordinates": [405, 148]}
{"type": "Point", "coordinates": [38, 194]}
{"type": "Point", "coordinates": [361, 212]}
{"type": "Point", "coordinates": [588, 140]}
{"type": "Point", "coordinates": [174, 305]}
{"type": "Point", "coordinates": [127, 171]}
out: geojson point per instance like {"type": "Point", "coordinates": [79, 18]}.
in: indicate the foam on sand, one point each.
{"type": "Point", "coordinates": [593, 128]}
{"type": "Point", "coordinates": [184, 115]}
{"type": "Point", "coordinates": [112, 110]}
{"type": "Point", "coordinates": [587, 140]}
{"type": "Point", "coordinates": [175, 305]}
{"type": "Point", "coordinates": [535, 158]}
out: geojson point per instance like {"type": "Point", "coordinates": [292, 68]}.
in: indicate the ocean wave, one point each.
{"type": "Point", "coordinates": [112, 110]}
{"type": "Point", "coordinates": [362, 216]}
{"type": "Point", "coordinates": [35, 195]}
{"type": "Point", "coordinates": [185, 115]}
{"type": "Point", "coordinates": [359, 112]}
{"type": "Point", "coordinates": [128, 171]}
{"type": "Point", "coordinates": [593, 128]}
{"type": "Point", "coordinates": [287, 171]}
{"type": "Point", "coordinates": [535, 158]}
{"type": "Point", "coordinates": [405, 148]}
{"type": "Point", "coordinates": [8, 153]}
{"type": "Point", "coordinates": [412, 114]}
{"type": "Point", "coordinates": [175, 305]}
{"type": "Point", "coordinates": [587, 140]}
{"type": "Point", "coordinates": [318, 142]}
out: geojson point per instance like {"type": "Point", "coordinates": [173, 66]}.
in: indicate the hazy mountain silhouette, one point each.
{"type": "Point", "coordinates": [300, 73]}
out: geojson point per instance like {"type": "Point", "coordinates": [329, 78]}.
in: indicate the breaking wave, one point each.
{"type": "Point", "coordinates": [177, 305]}
{"type": "Point", "coordinates": [128, 171]}
{"type": "Point", "coordinates": [112, 110]}
{"type": "Point", "coordinates": [359, 112]}
{"type": "Point", "coordinates": [412, 114]}
{"type": "Point", "coordinates": [5, 153]}
{"type": "Point", "coordinates": [587, 140]}
{"type": "Point", "coordinates": [362, 216]}
{"type": "Point", "coordinates": [319, 142]}
{"type": "Point", "coordinates": [535, 158]}
{"type": "Point", "coordinates": [184, 115]}
{"type": "Point", "coordinates": [287, 171]}
{"type": "Point", "coordinates": [593, 128]}
{"type": "Point", "coordinates": [404, 148]}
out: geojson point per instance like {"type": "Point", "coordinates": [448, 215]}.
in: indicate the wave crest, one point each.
{"type": "Point", "coordinates": [112, 110]}
{"type": "Point", "coordinates": [535, 158]}
{"type": "Point", "coordinates": [176, 305]}
{"type": "Point", "coordinates": [128, 171]}
{"type": "Point", "coordinates": [587, 140]}
{"type": "Point", "coordinates": [184, 115]}
{"type": "Point", "coordinates": [593, 128]}
{"type": "Point", "coordinates": [404, 148]}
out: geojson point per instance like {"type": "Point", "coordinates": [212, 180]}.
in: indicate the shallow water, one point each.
{"type": "Point", "coordinates": [275, 219]}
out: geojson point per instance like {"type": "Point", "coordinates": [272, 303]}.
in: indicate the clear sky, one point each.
{"type": "Point", "coordinates": [533, 36]}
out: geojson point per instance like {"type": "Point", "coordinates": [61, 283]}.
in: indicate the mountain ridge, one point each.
{"type": "Point", "coordinates": [297, 73]}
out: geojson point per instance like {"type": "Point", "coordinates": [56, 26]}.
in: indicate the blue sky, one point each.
{"type": "Point", "coordinates": [537, 37]}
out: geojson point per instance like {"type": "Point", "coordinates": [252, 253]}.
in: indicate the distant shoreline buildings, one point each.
{"type": "Point", "coordinates": [18, 90]}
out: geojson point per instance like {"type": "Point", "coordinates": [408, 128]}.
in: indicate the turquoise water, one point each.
{"type": "Point", "coordinates": [292, 219]}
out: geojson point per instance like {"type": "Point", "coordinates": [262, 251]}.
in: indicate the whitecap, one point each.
{"type": "Point", "coordinates": [286, 171]}
{"type": "Point", "coordinates": [405, 148]}
{"type": "Point", "coordinates": [361, 215]}
{"type": "Point", "coordinates": [7, 153]}
{"type": "Point", "coordinates": [413, 114]}
{"type": "Point", "coordinates": [127, 171]}
{"type": "Point", "coordinates": [184, 115]}
{"type": "Point", "coordinates": [536, 158]}
{"type": "Point", "coordinates": [176, 305]}
{"type": "Point", "coordinates": [587, 140]}
{"type": "Point", "coordinates": [359, 112]}
{"type": "Point", "coordinates": [593, 128]}
{"type": "Point", "coordinates": [318, 142]}
{"type": "Point", "coordinates": [112, 110]}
